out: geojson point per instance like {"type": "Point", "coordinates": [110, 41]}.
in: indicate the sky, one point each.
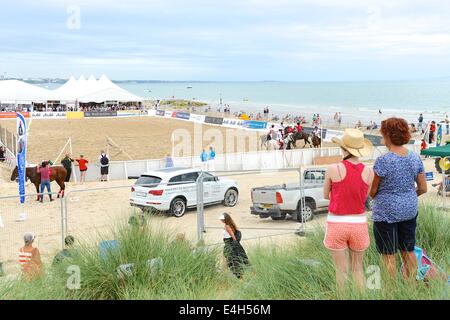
{"type": "Point", "coordinates": [233, 40]}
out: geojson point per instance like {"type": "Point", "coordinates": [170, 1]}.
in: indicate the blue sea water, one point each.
{"type": "Point", "coordinates": [358, 100]}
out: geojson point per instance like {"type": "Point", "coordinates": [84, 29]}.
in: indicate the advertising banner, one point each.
{"type": "Point", "coordinates": [12, 115]}
{"type": "Point", "coordinates": [198, 118]}
{"type": "Point", "coordinates": [48, 115]}
{"type": "Point", "coordinates": [168, 114]}
{"type": "Point", "coordinates": [255, 124]}
{"type": "Point", "coordinates": [235, 123]}
{"type": "Point", "coordinates": [182, 115]}
{"type": "Point", "coordinates": [160, 113]}
{"type": "Point", "coordinates": [98, 114]}
{"type": "Point", "coordinates": [75, 115]}
{"type": "Point", "coordinates": [21, 154]}
{"type": "Point", "coordinates": [214, 120]}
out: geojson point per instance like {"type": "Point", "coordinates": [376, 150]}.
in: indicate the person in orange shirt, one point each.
{"type": "Point", "coordinates": [30, 258]}
{"type": "Point", "coordinates": [82, 163]}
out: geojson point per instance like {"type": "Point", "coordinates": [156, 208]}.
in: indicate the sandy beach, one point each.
{"type": "Point", "coordinates": [140, 137]}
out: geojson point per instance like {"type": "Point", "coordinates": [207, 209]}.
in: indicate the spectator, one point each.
{"type": "Point", "coordinates": [169, 161]}
{"type": "Point", "coordinates": [447, 124]}
{"type": "Point", "coordinates": [44, 171]}
{"type": "Point", "coordinates": [420, 125]}
{"type": "Point", "coordinates": [82, 164]}
{"type": "Point", "coordinates": [347, 185]}
{"type": "Point", "coordinates": [423, 145]}
{"type": "Point", "coordinates": [30, 258]}
{"type": "Point", "coordinates": [204, 159]}
{"type": "Point", "coordinates": [67, 252]}
{"type": "Point", "coordinates": [212, 159]}
{"type": "Point", "coordinates": [104, 166]}
{"type": "Point", "coordinates": [233, 251]}
{"type": "Point", "coordinates": [2, 154]}
{"type": "Point", "coordinates": [440, 185]}
{"type": "Point", "coordinates": [67, 164]}
{"type": "Point", "coordinates": [432, 132]}
{"type": "Point", "coordinates": [395, 197]}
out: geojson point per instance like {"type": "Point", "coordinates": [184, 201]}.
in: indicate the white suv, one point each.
{"type": "Point", "coordinates": [175, 189]}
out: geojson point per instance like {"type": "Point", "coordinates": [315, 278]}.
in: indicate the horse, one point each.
{"type": "Point", "coordinates": [316, 141]}
{"type": "Point", "coordinates": [58, 174]}
{"type": "Point", "coordinates": [272, 145]}
{"type": "Point", "coordinates": [301, 136]}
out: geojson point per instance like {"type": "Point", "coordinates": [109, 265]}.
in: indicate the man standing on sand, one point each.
{"type": "Point", "coordinates": [30, 258]}
{"type": "Point", "coordinates": [169, 161]}
{"type": "Point", "coordinates": [104, 166]}
{"type": "Point", "coordinates": [67, 164]}
{"type": "Point", "coordinates": [212, 159]}
{"type": "Point", "coordinates": [204, 159]}
{"type": "Point", "coordinates": [420, 125]}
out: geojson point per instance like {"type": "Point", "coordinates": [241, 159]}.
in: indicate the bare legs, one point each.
{"type": "Point", "coordinates": [409, 268]}
{"type": "Point", "coordinates": [342, 267]}
{"type": "Point", "coordinates": [82, 176]}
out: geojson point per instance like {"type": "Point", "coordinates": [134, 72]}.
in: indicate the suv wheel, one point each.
{"type": "Point", "coordinates": [178, 207]}
{"type": "Point", "coordinates": [308, 213]}
{"type": "Point", "coordinates": [231, 198]}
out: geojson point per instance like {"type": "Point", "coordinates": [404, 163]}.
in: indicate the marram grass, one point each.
{"type": "Point", "coordinates": [300, 271]}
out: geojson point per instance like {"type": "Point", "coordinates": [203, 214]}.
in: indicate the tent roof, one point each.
{"type": "Point", "coordinates": [93, 90]}
{"type": "Point", "coordinates": [12, 91]}
{"type": "Point", "coordinates": [442, 151]}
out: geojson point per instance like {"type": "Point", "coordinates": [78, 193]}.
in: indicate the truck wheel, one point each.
{"type": "Point", "coordinates": [283, 217]}
{"type": "Point", "coordinates": [308, 213]}
{"type": "Point", "coordinates": [231, 198]}
{"type": "Point", "coordinates": [178, 207]}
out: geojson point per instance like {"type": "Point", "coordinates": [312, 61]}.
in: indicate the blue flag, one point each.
{"type": "Point", "coordinates": [21, 154]}
{"type": "Point", "coordinates": [439, 136]}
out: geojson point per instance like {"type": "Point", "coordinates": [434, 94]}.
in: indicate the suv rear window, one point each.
{"type": "Point", "coordinates": [148, 180]}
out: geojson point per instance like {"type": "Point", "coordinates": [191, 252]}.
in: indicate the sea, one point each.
{"type": "Point", "coordinates": [365, 101]}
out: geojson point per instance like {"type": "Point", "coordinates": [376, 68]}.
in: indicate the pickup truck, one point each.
{"type": "Point", "coordinates": [279, 200]}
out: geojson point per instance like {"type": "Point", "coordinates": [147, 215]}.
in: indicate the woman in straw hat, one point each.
{"type": "Point", "coordinates": [347, 185]}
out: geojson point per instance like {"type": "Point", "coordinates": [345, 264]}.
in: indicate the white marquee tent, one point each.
{"type": "Point", "coordinates": [93, 90]}
{"type": "Point", "coordinates": [19, 92]}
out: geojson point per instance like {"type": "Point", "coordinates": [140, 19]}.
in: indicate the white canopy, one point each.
{"type": "Point", "coordinates": [15, 91]}
{"type": "Point", "coordinates": [93, 90]}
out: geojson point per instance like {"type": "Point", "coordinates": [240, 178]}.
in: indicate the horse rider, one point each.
{"type": "Point", "coordinates": [299, 127]}
{"type": "Point", "coordinates": [316, 131]}
{"type": "Point", "coordinates": [280, 138]}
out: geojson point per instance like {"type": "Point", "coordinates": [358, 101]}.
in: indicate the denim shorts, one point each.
{"type": "Point", "coordinates": [391, 237]}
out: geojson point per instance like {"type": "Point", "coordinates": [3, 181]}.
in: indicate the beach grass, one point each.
{"type": "Point", "coordinates": [303, 270]}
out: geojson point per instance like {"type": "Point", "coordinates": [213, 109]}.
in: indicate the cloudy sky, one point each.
{"type": "Point", "coordinates": [292, 40]}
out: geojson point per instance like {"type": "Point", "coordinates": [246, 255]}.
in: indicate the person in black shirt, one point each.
{"type": "Point", "coordinates": [67, 164]}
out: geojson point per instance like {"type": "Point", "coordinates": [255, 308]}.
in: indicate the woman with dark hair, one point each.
{"type": "Point", "coordinates": [399, 180]}
{"type": "Point", "coordinates": [233, 251]}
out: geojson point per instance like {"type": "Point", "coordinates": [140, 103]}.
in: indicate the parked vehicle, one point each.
{"type": "Point", "coordinates": [174, 190]}
{"type": "Point", "coordinates": [279, 200]}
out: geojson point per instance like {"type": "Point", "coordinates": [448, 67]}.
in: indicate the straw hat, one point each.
{"type": "Point", "coordinates": [354, 142]}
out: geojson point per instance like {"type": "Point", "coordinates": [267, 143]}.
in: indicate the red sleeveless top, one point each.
{"type": "Point", "coordinates": [349, 195]}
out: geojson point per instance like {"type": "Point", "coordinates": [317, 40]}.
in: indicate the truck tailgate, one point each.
{"type": "Point", "coordinates": [265, 195]}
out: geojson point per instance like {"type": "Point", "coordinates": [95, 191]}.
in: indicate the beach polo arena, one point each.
{"type": "Point", "coordinates": [92, 210]}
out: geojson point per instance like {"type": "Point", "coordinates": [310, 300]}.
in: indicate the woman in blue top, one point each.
{"type": "Point", "coordinates": [395, 196]}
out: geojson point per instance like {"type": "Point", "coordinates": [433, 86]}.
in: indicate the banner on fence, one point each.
{"type": "Point", "coordinates": [198, 118]}
{"type": "Point", "coordinates": [234, 123]}
{"type": "Point", "coordinates": [99, 114]}
{"type": "Point", "coordinates": [75, 115]}
{"type": "Point", "coordinates": [214, 120]}
{"type": "Point", "coordinates": [251, 124]}
{"type": "Point", "coordinates": [21, 154]}
{"type": "Point", "coordinates": [160, 113]}
{"type": "Point", "coordinates": [12, 115]}
{"type": "Point", "coordinates": [168, 114]}
{"type": "Point", "coordinates": [182, 115]}
{"type": "Point", "coordinates": [48, 115]}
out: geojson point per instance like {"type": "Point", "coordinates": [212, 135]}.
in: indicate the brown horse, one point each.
{"type": "Point", "coordinates": [316, 141]}
{"type": "Point", "coordinates": [58, 174]}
